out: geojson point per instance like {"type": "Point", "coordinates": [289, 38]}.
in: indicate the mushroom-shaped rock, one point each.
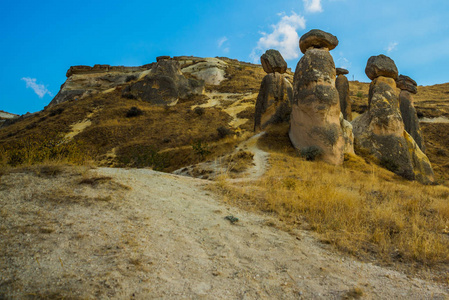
{"type": "Point", "coordinates": [316, 38]}
{"type": "Point", "coordinates": [273, 103]}
{"type": "Point", "coordinates": [406, 83]}
{"type": "Point", "coordinates": [408, 111]}
{"type": "Point", "coordinates": [272, 61]}
{"type": "Point", "coordinates": [380, 132]}
{"type": "Point", "coordinates": [381, 65]}
{"type": "Point", "coordinates": [341, 71]}
{"type": "Point", "coordinates": [342, 85]}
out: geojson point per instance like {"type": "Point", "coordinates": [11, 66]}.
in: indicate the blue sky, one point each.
{"type": "Point", "coordinates": [40, 40]}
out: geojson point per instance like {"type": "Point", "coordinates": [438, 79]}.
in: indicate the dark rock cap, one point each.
{"type": "Point", "coordinates": [341, 71]}
{"type": "Point", "coordinates": [162, 57]}
{"type": "Point", "coordinates": [272, 61]}
{"type": "Point", "coordinates": [381, 65]}
{"type": "Point", "coordinates": [317, 39]}
{"type": "Point", "coordinates": [406, 83]}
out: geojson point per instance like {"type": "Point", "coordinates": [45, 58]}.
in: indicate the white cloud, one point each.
{"type": "Point", "coordinates": [221, 41]}
{"type": "Point", "coordinates": [283, 38]}
{"type": "Point", "coordinates": [313, 6]}
{"type": "Point", "coordinates": [39, 89]}
{"type": "Point", "coordinates": [392, 46]}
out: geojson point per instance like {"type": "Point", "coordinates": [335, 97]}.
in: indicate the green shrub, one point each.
{"type": "Point", "coordinates": [201, 149]}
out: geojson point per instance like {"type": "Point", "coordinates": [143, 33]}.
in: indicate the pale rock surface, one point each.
{"type": "Point", "coordinates": [211, 70]}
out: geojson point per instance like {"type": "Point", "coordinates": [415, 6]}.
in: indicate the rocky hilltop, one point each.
{"type": "Point", "coordinates": [126, 115]}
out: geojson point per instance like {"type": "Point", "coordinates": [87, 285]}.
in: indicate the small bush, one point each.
{"type": "Point", "coordinates": [134, 112]}
{"type": "Point", "coordinates": [311, 153]}
{"type": "Point", "coordinates": [56, 111]}
{"type": "Point", "coordinates": [223, 132]}
{"type": "Point", "coordinates": [359, 94]}
{"type": "Point", "coordinates": [201, 149]}
{"type": "Point", "coordinates": [199, 110]}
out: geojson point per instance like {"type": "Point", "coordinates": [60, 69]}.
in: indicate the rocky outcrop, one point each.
{"type": "Point", "coordinates": [408, 112]}
{"type": "Point", "coordinates": [83, 81]}
{"type": "Point", "coordinates": [380, 131]}
{"type": "Point", "coordinates": [160, 83]}
{"type": "Point", "coordinates": [315, 118]}
{"type": "Point", "coordinates": [342, 85]}
{"type": "Point", "coordinates": [273, 62]}
{"type": "Point", "coordinates": [273, 104]}
{"type": "Point", "coordinates": [164, 85]}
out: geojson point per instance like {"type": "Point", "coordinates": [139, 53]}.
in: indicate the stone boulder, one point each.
{"type": "Point", "coordinates": [407, 84]}
{"type": "Point", "coordinates": [381, 65]}
{"type": "Point", "coordinates": [164, 85]}
{"type": "Point", "coordinates": [316, 38]}
{"type": "Point", "coordinates": [408, 111]}
{"type": "Point", "coordinates": [272, 61]}
{"type": "Point", "coordinates": [380, 132]}
{"type": "Point", "coordinates": [273, 103]}
{"type": "Point", "coordinates": [342, 85]}
{"type": "Point", "coordinates": [315, 118]}
{"type": "Point", "coordinates": [341, 71]}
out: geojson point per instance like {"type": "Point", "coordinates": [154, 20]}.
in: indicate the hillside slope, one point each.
{"type": "Point", "coordinates": [101, 123]}
{"type": "Point", "coordinates": [117, 233]}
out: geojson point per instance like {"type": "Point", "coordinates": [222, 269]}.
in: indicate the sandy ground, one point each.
{"type": "Point", "coordinates": [140, 234]}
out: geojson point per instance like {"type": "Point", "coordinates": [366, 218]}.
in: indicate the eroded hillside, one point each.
{"type": "Point", "coordinates": [97, 114]}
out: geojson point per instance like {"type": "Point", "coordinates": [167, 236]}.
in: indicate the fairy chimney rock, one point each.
{"type": "Point", "coordinates": [315, 119]}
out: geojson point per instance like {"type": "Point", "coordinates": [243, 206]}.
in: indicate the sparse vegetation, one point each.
{"type": "Point", "coordinates": [360, 208]}
{"type": "Point", "coordinates": [201, 149]}
{"type": "Point", "coordinates": [223, 131]}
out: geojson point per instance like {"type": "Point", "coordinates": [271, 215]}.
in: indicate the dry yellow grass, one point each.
{"type": "Point", "coordinates": [359, 207]}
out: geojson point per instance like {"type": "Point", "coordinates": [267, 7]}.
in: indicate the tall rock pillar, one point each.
{"type": "Point", "coordinates": [408, 111]}
{"type": "Point", "coordinates": [342, 85]}
{"type": "Point", "coordinates": [380, 131]}
{"type": "Point", "coordinates": [273, 103]}
{"type": "Point", "coordinates": [315, 119]}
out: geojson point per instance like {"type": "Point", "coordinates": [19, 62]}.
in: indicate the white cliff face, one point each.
{"type": "Point", "coordinates": [5, 115]}
{"type": "Point", "coordinates": [211, 70]}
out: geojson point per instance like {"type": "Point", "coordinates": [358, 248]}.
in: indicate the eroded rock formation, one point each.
{"type": "Point", "coordinates": [315, 118]}
{"type": "Point", "coordinates": [273, 103]}
{"type": "Point", "coordinates": [342, 85]}
{"type": "Point", "coordinates": [380, 131]}
{"type": "Point", "coordinates": [164, 85]}
{"type": "Point", "coordinates": [408, 112]}
{"type": "Point", "coordinates": [161, 82]}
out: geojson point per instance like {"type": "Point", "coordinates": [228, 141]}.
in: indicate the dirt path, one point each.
{"type": "Point", "coordinates": [167, 238]}
{"type": "Point", "coordinates": [215, 168]}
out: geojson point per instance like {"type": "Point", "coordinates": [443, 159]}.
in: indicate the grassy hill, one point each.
{"type": "Point", "coordinates": [358, 207]}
